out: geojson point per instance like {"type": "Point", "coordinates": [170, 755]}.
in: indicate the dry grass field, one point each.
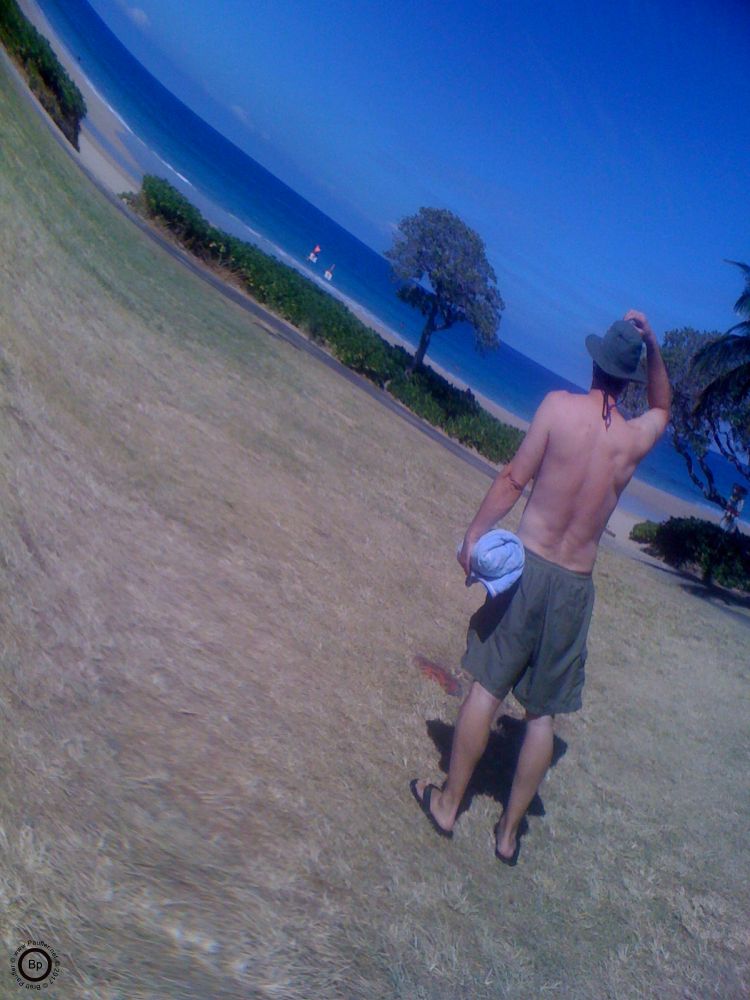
{"type": "Point", "coordinates": [219, 561]}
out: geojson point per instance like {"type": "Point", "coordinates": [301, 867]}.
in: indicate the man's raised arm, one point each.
{"type": "Point", "coordinates": [654, 422]}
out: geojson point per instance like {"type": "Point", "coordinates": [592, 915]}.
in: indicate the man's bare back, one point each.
{"type": "Point", "coordinates": [580, 463]}
{"type": "Point", "coordinates": [584, 467]}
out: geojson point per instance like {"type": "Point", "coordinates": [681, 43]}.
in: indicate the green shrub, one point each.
{"type": "Point", "coordinates": [328, 321]}
{"type": "Point", "coordinates": [644, 532]}
{"type": "Point", "coordinates": [718, 555]}
{"type": "Point", "coordinates": [411, 392]}
{"type": "Point", "coordinates": [457, 412]}
{"type": "Point", "coordinates": [162, 201]}
{"type": "Point", "coordinates": [495, 440]}
{"type": "Point", "coordinates": [453, 402]}
{"type": "Point", "coordinates": [57, 93]}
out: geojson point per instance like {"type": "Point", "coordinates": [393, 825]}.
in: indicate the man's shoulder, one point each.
{"type": "Point", "coordinates": [558, 408]}
{"type": "Point", "coordinates": [564, 396]}
{"type": "Point", "coordinates": [561, 400]}
{"type": "Point", "coordinates": [646, 429]}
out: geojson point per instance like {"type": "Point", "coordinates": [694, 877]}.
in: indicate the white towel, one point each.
{"type": "Point", "coordinates": [497, 561]}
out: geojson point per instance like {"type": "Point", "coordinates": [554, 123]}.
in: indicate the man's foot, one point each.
{"type": "Point", "coordinates": [422, 792]}
{"type": "Point", "coordinates": [506, 848]}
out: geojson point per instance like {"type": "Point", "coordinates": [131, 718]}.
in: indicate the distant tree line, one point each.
{"type": "Point", "coordinates": [328, 321]}
{"type": "Point", "coordinates": [57, 93]}
{"type": "Point", "coordinates": [710, 377]}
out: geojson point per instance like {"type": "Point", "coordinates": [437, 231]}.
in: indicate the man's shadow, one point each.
{"type": "Point", "coordinates": [711, 593]}
{"type": "Point", "coordinates": [692, 583]}
{"type": "Point", "coordinates": [493, 775]}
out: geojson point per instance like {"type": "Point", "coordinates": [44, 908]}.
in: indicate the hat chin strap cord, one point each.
{"type": "Point", "coordinates": [607, 408]}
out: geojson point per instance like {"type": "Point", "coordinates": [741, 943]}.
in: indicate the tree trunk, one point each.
{"type": "Point", "coordinates": [424, 341]}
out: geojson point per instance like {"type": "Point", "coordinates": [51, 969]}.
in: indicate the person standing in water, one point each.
{"type": "Point", "coordinates": [581, 454]}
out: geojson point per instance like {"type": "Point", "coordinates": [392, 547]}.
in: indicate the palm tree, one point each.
{"type": "Point", "coordinates": [731, 352]}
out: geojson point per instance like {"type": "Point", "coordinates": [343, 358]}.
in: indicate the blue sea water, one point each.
{"type": "Point", "coordinates": [237, 193]}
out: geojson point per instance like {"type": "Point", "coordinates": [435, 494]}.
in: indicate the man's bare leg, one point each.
{"type": "Point", "coordinates": [469, 743]}
{"type": "Point", "coordinates": [533, 763]}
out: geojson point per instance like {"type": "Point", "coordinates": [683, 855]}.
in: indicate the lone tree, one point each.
{"type": "Point", "coordinates": [447, 276]}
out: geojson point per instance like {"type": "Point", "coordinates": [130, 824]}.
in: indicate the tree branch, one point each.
{"type": "Point", "coordinates": [708, 489]}
{"type": "Point", "coordinates": [726, 449]}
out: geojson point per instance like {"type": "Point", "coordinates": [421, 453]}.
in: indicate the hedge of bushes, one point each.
{"type": "Point", "coordinates": [692, 543]}
{"type": "Point", "coordinates": [457, 413]}
{"type": "Point", "coordinates": [328, 321]}
{"type": "Point", "coordinates": [57, 93]}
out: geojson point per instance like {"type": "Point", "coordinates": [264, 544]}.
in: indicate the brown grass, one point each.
{"type": "Point", "coordinates": [219, 562]}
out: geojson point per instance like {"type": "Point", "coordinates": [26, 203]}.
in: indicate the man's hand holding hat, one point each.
{"type": "Point", "coordinates": [639, 321]}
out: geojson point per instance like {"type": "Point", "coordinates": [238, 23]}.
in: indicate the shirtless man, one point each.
{"type": "Point", "coordinates": [581, 454]}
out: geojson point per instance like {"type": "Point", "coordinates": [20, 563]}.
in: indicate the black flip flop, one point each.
{"type": "Point", "coordinates": [512, 861]}
{"type": "Point", "coordinates": [424, 805]}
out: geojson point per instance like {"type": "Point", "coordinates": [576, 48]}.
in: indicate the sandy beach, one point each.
{"type": "Point", "coordinates": [104, 153]}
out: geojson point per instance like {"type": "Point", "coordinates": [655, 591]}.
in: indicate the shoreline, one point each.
{"type": "Point", "coordinates": [101, 150]}
{"type": "Point", "coordinates": [105, 156]}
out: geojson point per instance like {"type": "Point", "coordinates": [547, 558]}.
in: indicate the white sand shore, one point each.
{"type": "Point", "coordinates": [105, 155]}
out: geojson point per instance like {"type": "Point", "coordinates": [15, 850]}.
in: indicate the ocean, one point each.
{"type": "Point", "coordinates": [238, 194]}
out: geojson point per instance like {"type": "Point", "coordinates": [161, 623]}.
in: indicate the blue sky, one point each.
{"type": "Point", "coordinates": [601, 150]}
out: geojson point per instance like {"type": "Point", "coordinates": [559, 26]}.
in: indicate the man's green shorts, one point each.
{"type": "Point", "coordinates": [532, 638]}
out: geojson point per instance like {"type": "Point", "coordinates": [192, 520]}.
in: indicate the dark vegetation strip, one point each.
{"type": "Point", "coordinates": [327, 321]}
{"type": "Point", "coordinates": [31, 51]}
{"type": "Point", "coordinates": [690, 542]}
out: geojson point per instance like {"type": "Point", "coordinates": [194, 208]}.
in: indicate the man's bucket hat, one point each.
{"type": "Point", "coordinates": [618, 352]}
